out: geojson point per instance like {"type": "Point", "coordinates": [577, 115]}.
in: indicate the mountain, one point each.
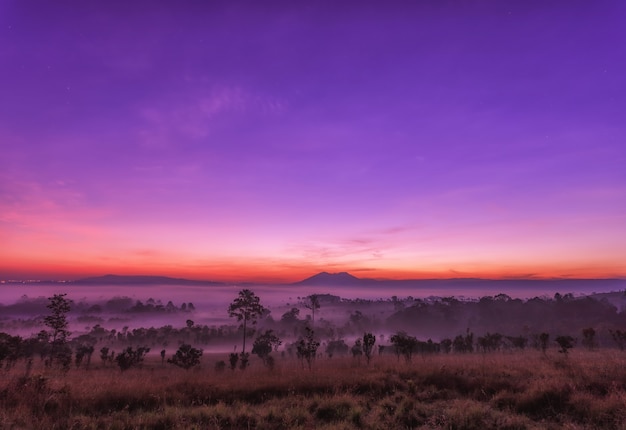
{"type": "Point", "coordinates": [473, 286]}
{"type": "Point", "coordinates": [332, 279]}
{"type": "Point", "coordinates": [141, 280]}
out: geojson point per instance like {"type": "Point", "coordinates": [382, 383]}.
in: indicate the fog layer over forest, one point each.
{"type": "Point", "coordinates": [163, 316]}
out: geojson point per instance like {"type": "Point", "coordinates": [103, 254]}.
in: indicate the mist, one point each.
{"type": "Point", "coordinates": [444, 310]}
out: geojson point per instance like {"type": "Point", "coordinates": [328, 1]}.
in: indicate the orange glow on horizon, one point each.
{"type": "Point", "coordinates": [240, 272]}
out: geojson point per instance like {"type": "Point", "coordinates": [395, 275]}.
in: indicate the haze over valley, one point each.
{"type": "Point", "coordinates": [384, 306]}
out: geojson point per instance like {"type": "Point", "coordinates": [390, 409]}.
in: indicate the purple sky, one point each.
{"type": "Point", "coordinates": [229, 141]}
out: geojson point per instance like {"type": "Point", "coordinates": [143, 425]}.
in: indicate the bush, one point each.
{"type": "Point", "coordinates": [220, 366]}
{"type": "Point", "coordinates": [404, 345]}
{"type": "Point", "coordinates": [186, 357]}
{"type": "Point", "coordinates": [131, 357]}
{"type": "Point", "coordinates": [233, 358]}
{"type": "Point", "coordinates": [565, 343]}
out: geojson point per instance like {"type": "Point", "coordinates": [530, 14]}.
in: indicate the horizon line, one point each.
{"type": "Point", "coordinates": [478, 278]}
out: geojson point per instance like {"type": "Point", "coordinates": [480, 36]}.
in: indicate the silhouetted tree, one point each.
{"type": "Point", "coordinates": [290, 316]}
{"type": "Point", "coordinates": [469, 341]}
{"type": "Point", "coordinates": [358, 320]}
{"type": "Point", "coordinates": [565, 343]}
{"type": "Point", "coordinates": [10, 349]}
{"type": "Point", "coordinates": [247, 308]}
{"type": "Point", "coordinates": [57, 321]}
{"type": "Point", "coordinates": [544, 338]}
{"type": "Point", "coordinates": [489, 342]}
{"type": "Point", "coordinates": [404, 345]}
{"type": "Point", "coordinates": [336, 347]}
{"type": "Point", "coordinates": [589, 335]}
{"type": "Point", "coordinates": [265, 344]}
{"type": "Point", "coordinates": [619, 337]}
{"type": "Point", "coordinates": [464, 343]}
{"type": "Point", "coordinates": [104, 355]}
{"type": "Point", "coordinates": [244, 359]}
{"type": "Point", "coordinates": [357, 348]}
{"type": "Point", "coordinates": [83, 350]}
{"type": "Point", "coordinates": [313, 304]}
{"type": "Point", "coordinates": [518, 342]}
{"type": "Point", "coordinates": [43, 344]}
{"type": "Point", "coordinates": [446, 345]}
{"type": "Point", "coordinates": [233, 358]}
{"type": "Point", "coordinates": [368, 345]}
{"type": "Point", "coordinates": [307, 347]}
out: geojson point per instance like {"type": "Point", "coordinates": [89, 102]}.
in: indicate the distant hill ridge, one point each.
{"type": "Point", "coordinates": [141, 280]}
{"type": "Point", "coordinates": [345, 279]}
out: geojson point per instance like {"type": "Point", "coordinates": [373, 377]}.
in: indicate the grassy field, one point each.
{"type": "Point", "coordinates": [473, 391]}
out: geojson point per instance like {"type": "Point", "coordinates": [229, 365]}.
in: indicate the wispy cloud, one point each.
{"type": "Point", "coordinates": [355, 251]}
{"type": "Point", "coordinates": [195, 114]}
{"type": "Point", "coordinates": [56, 209]}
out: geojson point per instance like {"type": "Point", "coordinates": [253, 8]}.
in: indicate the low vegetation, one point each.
{"type": "Point", "coordinates": [521, 390]}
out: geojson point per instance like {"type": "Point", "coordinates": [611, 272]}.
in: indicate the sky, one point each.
{"type": "Point", "coordinates": [268, 141]}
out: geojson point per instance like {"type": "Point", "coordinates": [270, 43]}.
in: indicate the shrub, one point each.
{"type": "Point", "coordinates": [233, 358]}
{"type": "Point", "coordinates": [619, 337]}
{"type": "Point", "coordinates": [331, 411]}
{"type": "Point", "coordinates": [404, 345]}
{"type": "Point", "coordinates": [544, 339]}
{"type": "Point", "coordinates": [104, 355]}
{"type": "Point", "coordinates": [565, 343]}
{"type": "Point", "coordinates": [186, 357]}
{"type": "Point", "coordinates": [336, 347]}
{"type": "Point", "coordinates": [244, 359]}
{"type": "Point", "coordinates": [131, 357]}
{"type": "Point", "coordinates": [589, 338]}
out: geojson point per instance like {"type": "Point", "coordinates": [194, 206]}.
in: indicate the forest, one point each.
{"type": "Point", "coordinates": [117, 322]}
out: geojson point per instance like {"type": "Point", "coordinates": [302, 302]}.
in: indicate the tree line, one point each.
{"type": "Point", "coordinates": [55, 346]}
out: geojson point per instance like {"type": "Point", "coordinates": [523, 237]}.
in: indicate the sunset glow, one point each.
{"type": "Point", "coordinates": [215, 141]}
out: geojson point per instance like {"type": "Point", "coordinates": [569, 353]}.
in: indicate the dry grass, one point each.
{"type": "Point", "coordinates": [586, 390]}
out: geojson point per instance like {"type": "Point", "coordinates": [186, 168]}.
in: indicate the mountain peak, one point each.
{"type": "Point", "coordinates": [331, 279]}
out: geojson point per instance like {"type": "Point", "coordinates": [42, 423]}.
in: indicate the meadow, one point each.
{"type": "Point", "coordinates": [499, 390]}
